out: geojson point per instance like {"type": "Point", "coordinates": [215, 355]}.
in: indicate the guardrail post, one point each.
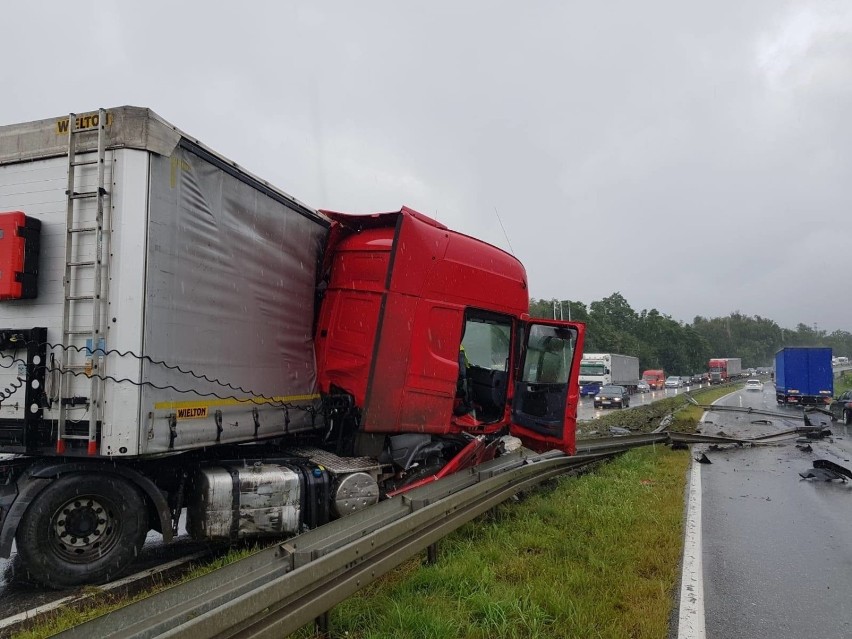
{"type": "Point", "coordinates": [432, 554]}
{"type": "Point", "coordinates": [322, 625]}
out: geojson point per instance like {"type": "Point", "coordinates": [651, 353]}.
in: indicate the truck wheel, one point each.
{"type": "Point", "coordinates": [82, 529]}
{"type": "Point", "coordinates": [847, 417]}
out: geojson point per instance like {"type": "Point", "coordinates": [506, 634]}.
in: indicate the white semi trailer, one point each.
{"type": "Point", "coordinates": [610, 368]}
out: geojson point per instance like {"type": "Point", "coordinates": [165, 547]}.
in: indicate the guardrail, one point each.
{"type": "Point", "coordinates": [278, 590]}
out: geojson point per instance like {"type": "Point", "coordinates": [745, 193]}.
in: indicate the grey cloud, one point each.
{"type": "Point", "coordinates": [666, 150]}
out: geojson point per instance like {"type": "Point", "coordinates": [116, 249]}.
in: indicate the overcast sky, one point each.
{"type": "Point", "coordinates": [696, 157]}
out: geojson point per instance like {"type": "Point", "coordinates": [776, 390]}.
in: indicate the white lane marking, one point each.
{"type": "Point", "coordinates": [691, 617]}
{"type": "Point", "coordinates": [39, 610]}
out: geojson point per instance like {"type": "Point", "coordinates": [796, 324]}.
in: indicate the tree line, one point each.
{"type": "Point", "coordinates": [679, 348]}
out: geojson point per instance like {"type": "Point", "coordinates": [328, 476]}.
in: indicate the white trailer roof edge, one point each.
{"type": "Point", "coordinates": [127, 127]}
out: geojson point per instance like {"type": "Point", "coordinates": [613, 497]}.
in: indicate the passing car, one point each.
{"type": "Point", "coordinates": [612, 397]}
{"type": "Point", "coordinates": [687, 380]}
{"type": "Point", "coordinates": [673, 381]}
{"type": "Point", "coordinates": [753, 385]}
{"type": "Point", "coordinates": [841, 408]}
{"type": "Point", "coordinates": [643, 387]}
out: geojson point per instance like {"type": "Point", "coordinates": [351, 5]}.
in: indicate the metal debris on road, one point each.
{"type": "Point", "coordinates": [826, 470]}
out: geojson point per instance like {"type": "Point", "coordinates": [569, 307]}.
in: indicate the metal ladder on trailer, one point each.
{"type": "Point", "coordinates": [79, 259]}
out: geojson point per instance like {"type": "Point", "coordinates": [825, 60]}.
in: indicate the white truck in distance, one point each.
{"type": "Point", "coordinates": [610, 368]}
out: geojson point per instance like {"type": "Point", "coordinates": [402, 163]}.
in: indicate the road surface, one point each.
{"type": "Point", "coordinates": [777, 549]}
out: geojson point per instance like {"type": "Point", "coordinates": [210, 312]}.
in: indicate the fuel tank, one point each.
{"type": "Point", "coordinates": [233, 502]}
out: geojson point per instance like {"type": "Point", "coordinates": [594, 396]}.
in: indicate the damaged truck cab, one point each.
{"type": "Point", "coordinates": [426, 332]}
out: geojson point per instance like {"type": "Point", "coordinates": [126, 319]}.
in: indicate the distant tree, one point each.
{"type": "Point", "coordinates": [552, 308]}
{"type": "Point", "coordinates": [661, 342]}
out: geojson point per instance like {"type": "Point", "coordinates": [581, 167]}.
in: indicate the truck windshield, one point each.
{"type": "Point", "coordinates": [591, 369]}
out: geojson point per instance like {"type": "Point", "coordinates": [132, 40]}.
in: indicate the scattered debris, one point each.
{"type": "Point", "coordinates": [805, 448]}
{"type": "Point", "coordinates": [703, 459]}
{"type": "Point", "coordinates": [618, 430]}
{"type": "Point", "coordinates": [762, 422]}
{"type": "Point", "coordinates": [818, 434]}
{"type": "Point", "coordinates": [817, 417]}
{"type": "Point", "coordinates": [830, 465]}
{"type": "Point", "coordinates": [821, 474]}
{"type": "Point", "coordinates": [722, 433]}
{"type": "Point", "coordinates": [826, 470]}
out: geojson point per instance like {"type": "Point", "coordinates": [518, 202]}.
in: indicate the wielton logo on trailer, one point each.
{"type": "Point", "coordinates": [86, 121]}
{"type": "Point", "coordinates": [192, 412]}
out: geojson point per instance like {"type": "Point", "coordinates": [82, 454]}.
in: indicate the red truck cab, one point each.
{"type": "Point", "coordinates": [427, 331]}
{"type": "Point", "coordinates": [656, 378]}
{"type": "Point", "coordinates": [718, 370]}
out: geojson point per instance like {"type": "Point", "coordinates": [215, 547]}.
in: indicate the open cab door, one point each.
{"type": "Point", "coordinates": [546, 388]}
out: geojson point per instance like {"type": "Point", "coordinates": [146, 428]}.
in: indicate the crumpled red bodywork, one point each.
{"type": "Point", "coordinates": [392, 316]}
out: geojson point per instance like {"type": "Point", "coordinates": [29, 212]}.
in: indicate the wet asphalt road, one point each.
{"type": "Point", "coordinates": [777, 548]}
{"type": "Point", "coordinates": [586, 410]}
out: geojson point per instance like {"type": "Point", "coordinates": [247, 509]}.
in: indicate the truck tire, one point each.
{"type": "Point", "coordinates": [82, 529]}
{"type": "Point", "coordinates": [847, 417]}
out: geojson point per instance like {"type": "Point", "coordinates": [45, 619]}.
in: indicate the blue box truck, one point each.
{"type": "Point", "coordinates": [803, 375]}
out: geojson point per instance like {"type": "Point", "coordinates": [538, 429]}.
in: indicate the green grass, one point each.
{"type": "Point", "coordinates": [843, 383]}
{"type": "Point", "coordinates": [679, 414]}
{"type": "Point", "coordinates": [687, 417]}
{"type": "Point", "coordinates": [594, 556]}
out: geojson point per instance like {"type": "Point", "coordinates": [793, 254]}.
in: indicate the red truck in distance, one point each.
{"type": "Point", "coordinates": [656, 378]}
{"type": "Point", "coordinates": [723, 369]}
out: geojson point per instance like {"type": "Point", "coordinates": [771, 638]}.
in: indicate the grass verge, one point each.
{"type": "Point", "coordinates": [676, 413]}
{"type": "Point", "coordinates": [594, 556]}
{"type": "Point", "coordinates": [843, 383]}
